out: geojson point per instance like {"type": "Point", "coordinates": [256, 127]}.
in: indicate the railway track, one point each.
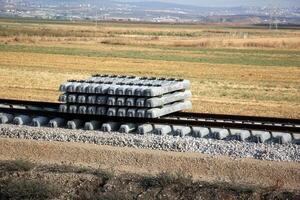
{"type": "Point", "coordinates": [245, 128]}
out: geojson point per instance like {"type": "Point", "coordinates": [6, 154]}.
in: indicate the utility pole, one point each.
{"type": "Point", "coordinates": [273, 20]}
{"type": "Point", "coordinates": [96, 18]}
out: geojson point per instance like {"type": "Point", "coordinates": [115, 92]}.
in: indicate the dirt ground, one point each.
{"type": "Point", "coordinates": [201, 167]}
{"type": "Point", "coordinates": [21, 179]}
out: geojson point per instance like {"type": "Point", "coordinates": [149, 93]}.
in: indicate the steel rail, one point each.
{"type": "Point", "coordinates": [166, 121]}
{"type": "Point", "coordinates": [26, 103]}
{"type": "Point", "coordinates": [187, 115]}
{"type": "Point", "coordinates": [236, 118]}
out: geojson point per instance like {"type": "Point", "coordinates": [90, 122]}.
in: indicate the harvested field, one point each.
{"type": "Point", "coordinates": [233, 70]}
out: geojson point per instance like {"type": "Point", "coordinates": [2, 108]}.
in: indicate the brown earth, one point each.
{"type": "Point", "coordinates": [21, 179]}
{"type": "Point", "coordinates": [212, 169]}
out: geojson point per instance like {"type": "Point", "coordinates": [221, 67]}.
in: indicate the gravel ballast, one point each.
{"type": "Point", "coordinates": [237, 149]}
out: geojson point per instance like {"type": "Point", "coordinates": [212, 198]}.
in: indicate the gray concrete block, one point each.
{"type": "Point", "coordinates": [122, 112]}
{"type": "Point", "coordinates": [111, 101]}
{"type": "Point", "coordinates": [102, 89]}
{"type": "Point", "coordinates": [72, 109]}
{"type": "Point", "coordinates": [130, 91]}
{"type": "Point", "coordinates": [121, 90]}
{"type": "Point", "coordinates": [140, 91]}
{"type": "Point", "coordinates": [74, 124]}
{"type": "Point", "coordinates": [82, 88]}
{"type": "Point", "coordinates": [167, 109]}
{"type": "Point", "coordinates": [82, 98]}
{"type": "Point", "coordinates": [219, 133]}
{"type": "Point", "coordinates": [127, 128]}
{"type": "Point", "coordinates": [141, 112]}
{"type": "Point", "coordinates": [242, 135]}
{"type": "Point", "coordinates": [153, 113]}
{"type": "Point", "coordinates": [114, 79]}
{"type": "Point", "coordinates": [131, 101]}
{"type": "Point", "coordinates": [124, 85]}
{"type": "Point", "coordinates": [296, 138]}
{"type": "Point", "coordinates": [120, 85]}
{"type": "Point", "coordinates": [140, 102]}
{"type": "Point", "coordinates": [162, 129]}
{"type": "Point", "coordinates": [200, 131]}
{"type": "Point", "coordinates": [92, 110]}
{"type": "Point", "coordinates": [98, 89]}
{"type": "Point", "coordinates": [57, 122]}
{"type": "Point", "coordinates": [154, 91]}
{"type": "Point", "coordinates": [92, 88]}
{"type": "Point", "coordinates": [63, 108]}
{"type": "Point", "coordinates": [121, 101]}
{"type": "Point", "coordinates": [167, 99]}
{"type": "Point", "coordinates": [64, 87]}
{"type": "Point", "coordinates": [166, 87]}
{"type": "Point", "coordinates": [145, 128]}
{"type": "Point", "coordinates": [63, 98]}
{"type": "Point", "coordinates": [92, 99]}
{"type": "Point", "coordinates": [73, 87]}
{"type": "Point", "coordinates": [82, 110]}
{"type": "Point", "coordinates": [6, 118]}
{"type": "Point", "coordinates": [92, 125]}
{"type": "Point", "coordinates": [40, 121]}
{"type": "Point", "coordinates": [112, 111]}
{"type": "Point", "coordinates": [102, 100]}
{"type": "Point", "coordinates": [283, 138]}
{"type": "Point", "coordinates": [181, 130]}
{"type": "Point", "coordinates": [112, 90]}
{"type": "Point", "coordinates": [261, 136]}
{"type": "Point", "coordinates": [110, 126]}
{"type": "Point", "coordinates": [72, 98]}
{"type": "Point", "coordinates": [22, 120]}
{"type": "Point", "coordinates": [101, 110]}
{"type": "Point", "coordinates": [131, 112]}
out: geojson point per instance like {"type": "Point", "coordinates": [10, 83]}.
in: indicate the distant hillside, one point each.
{"type": "Point", "coordinates": [74, 2]}
{"type": "Point", "coordinates": [154, 11]}
{"type": "Point", "coordinates": [160, 5]}
{"type": "Point", "coordinates": [111, 3]}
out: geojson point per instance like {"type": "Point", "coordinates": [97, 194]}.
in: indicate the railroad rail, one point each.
{"type": "Point", "coordinates": [50, 109]}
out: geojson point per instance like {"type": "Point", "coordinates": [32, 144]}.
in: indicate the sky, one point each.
{"type": "Point", "coordinates": [231, 3]}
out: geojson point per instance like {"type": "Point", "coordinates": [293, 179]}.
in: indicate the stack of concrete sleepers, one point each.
{"type": "Point", "coordinates": [125, 96]}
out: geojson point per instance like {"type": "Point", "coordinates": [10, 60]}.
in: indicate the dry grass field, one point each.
{"type": "Point", "coordinates": [234, 70]}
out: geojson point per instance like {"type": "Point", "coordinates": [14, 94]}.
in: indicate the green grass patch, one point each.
{"type": "Point", "coordinates": [164, 179]}
{"type": "Point", "coordinates": [230, 58]}
{"type": "Point", "coordinates": [252, 52]}
{"type": "Point", "coordinates": [27, 189]}
{"type": "Point", "coordinates": [16, 165]}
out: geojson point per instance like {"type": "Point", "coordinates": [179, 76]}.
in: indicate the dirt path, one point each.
{"type": "Point", "coordinates": [202, 167]}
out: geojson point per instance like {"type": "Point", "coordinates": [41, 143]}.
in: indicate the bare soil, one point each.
{"type": "Point", "coordinates": [201, 167]}
{"type": "Point", "coordinates": [21, 179]}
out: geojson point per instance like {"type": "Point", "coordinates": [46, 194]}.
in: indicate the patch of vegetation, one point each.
{"type": "Point", "coordinates": [27, 189]}
{"type": "Point", "coordinates": [115, 195]}
{"type": "Point", "coordinates": [98, 184]}
{"type": "Point", "coordinates": [165, 178]}
{"type": "Point", "coordinates": [67, 169]}
{"type": "Point", "coordinates": [16, 165]}
{"type": "Point", "coordinates": [236, 59]}
{"type": "Point", "coordinates": [105, 175]}
{"type": "Point", "coordinates": [256, 52]}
